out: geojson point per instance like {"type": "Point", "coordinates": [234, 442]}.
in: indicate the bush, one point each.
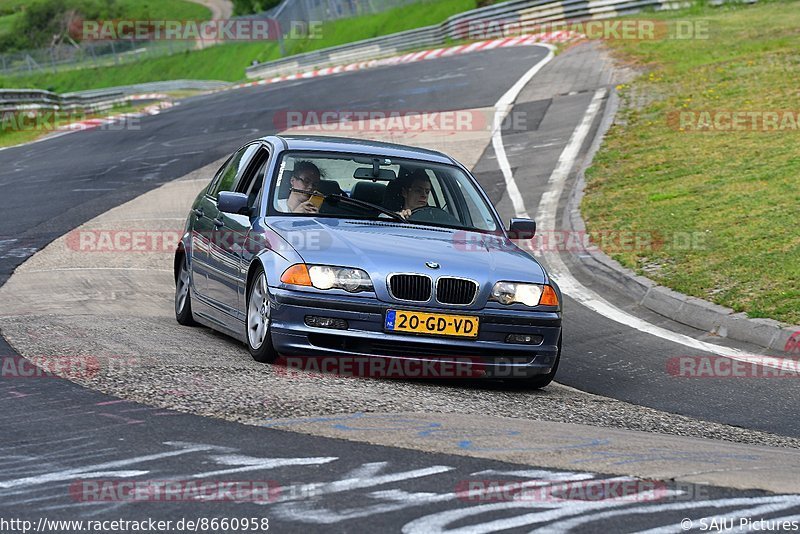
{"type": "Point", "coordinates": [246, 7]}
{"type": "Point", "coordinates": [45, 23]}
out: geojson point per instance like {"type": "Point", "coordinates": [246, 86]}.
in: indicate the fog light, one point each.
{"type": "Point", "coordinates": [524, 339]}
{"type": "Point", "coordinates": [326, 322]}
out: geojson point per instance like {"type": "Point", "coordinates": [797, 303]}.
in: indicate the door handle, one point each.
{"type": "Point", "coordinates": [198, 212]}
{"type": "Point", "coordinates": [219, 222]}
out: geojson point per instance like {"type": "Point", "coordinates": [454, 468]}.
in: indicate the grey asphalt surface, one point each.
{"type": "Point", "coordinates": [52, 186]}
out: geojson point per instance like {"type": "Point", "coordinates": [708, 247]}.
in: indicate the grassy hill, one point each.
{"type": "Point", "coordinates": [732, 187]}
{"type": "Point", "coordinates": [11, 10]}
{"type": "Point", "coordinates": [228, 61]}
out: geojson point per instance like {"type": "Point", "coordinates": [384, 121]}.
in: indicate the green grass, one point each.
{"type": "Point", "coordinates": [737, 192]}
{"type": "Point", "coordinates": [163, 10]}
{"type": "Point", "coordinates": [130, 9]}
{"type": "Point", "coordinates": [15, 129]}
{"type": "Point", "coordinates": [228, 62]}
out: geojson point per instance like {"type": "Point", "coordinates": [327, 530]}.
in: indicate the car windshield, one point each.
{"type": "Point", "coordinates": [418, 192]}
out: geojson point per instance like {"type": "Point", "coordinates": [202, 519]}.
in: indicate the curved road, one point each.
{"type": "Point", "coordinates": [52, 186]}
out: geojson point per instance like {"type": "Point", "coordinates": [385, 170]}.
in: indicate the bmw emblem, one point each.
{"type": "Point", "coordinates": [432, 264]}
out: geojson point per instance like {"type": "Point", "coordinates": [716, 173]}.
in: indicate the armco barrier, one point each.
{"type": "Point", "coordinates": [24, 99]}
{"type": "Point", "coordinates": [94, 100]}
{"type": "Point", "coordinates": [524, 15]}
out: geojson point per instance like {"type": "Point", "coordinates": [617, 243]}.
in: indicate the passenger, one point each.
{"type": "Point", "coordinates": [305, 177]}
{"type": "Point", "coordinates": [415, 194]}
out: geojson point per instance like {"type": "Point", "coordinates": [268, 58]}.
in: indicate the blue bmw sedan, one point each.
{"type": "Point", "coordinates": [322, 247]}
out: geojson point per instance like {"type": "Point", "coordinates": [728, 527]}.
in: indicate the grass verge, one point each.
{"type": "Point", "coordinates": [722, 203]}
{"type": "Point", "coordinates": [24, 127]}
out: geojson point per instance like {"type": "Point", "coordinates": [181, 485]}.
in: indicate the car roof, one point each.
{"type": "Point", "coordinates": [358, 146]}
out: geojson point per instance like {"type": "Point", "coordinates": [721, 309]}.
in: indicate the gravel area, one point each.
{"type": "Point", "coordinates": [195, 370]}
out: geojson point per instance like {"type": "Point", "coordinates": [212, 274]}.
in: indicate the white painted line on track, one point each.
{"type": "Point", "coordinates": [546, 221]}
{"type": "Point", "coordinates": [501, 110]}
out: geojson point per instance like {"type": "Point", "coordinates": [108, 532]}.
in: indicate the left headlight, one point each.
{"type": "Point", "coordinates": [328, 277]}
{"type": "Point", "coordinates": [527, 294]}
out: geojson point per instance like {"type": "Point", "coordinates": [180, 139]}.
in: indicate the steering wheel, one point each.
{"type": "Point", "coordinates": [432, 214]}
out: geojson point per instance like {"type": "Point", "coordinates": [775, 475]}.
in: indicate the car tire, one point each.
{"type": "Point", "coordinates": [183, 295]}
{"type": "Point", "coordinates": [539, 381]}
{"type": "Point", "coordinates": [258, 323]}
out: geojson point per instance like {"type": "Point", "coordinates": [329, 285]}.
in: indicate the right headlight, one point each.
{"type": "Point", "coordinates": [521, 293]}
{"type": "Point", "coordinates": [328, 277]}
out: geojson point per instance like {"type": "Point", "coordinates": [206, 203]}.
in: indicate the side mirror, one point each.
{"type": "Point", "coordinates": [521, 229]}
{"type": "Point", "coordinates": [230, 202]}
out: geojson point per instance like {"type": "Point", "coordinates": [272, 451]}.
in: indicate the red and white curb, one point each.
{"type": "Point", "coordinates": [148, 96]}
{"type": "Point", "coordinates": [523, 40]}
{"type": "Point", "coordinates": [87, 124]}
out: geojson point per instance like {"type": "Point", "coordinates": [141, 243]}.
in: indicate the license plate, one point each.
{"type": "Point", "coordinates": [431, 323]}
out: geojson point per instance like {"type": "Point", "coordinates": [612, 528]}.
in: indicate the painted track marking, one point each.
{"type": "Point", "coordinates": [546, 214]}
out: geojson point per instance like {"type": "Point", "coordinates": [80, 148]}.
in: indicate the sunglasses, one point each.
{"type": "Point", "coordinates": [307, 181]}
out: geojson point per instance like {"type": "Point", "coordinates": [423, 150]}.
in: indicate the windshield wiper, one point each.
{"type": "Point", "coordinates": [364, 204]}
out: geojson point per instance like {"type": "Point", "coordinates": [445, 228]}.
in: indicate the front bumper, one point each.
{"type": "Point", "coordinates": [488, 355]}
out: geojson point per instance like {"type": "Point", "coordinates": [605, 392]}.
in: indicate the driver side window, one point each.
{"type": "Point", "coordinates": [232, 172]}
{"type": "Point", "coordinates": [253, 185]}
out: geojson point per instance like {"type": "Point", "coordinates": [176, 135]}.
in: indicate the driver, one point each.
{"type": "Point", "coordinates": [415, 194]}
{"type": "Point", "coordinates": [306, 177]}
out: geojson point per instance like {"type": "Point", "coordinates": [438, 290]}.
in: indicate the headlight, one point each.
{"type": "Point", "coordinates": [528, 294]}
{"type": "Point", "coordinates": [349, 279]}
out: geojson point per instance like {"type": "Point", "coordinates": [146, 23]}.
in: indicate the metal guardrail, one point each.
{"type": "Point", "coordinates": [26, 99]}
{"type": "Point", "coordinates": [525, 15]}
{"type": "Point", "coordinates": [94, 100]}
{"type": "Point", "coordinates": [157, 87]}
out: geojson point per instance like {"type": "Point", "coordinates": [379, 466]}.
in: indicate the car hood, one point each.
{"type": "Point", "coordinates": [382, 248]}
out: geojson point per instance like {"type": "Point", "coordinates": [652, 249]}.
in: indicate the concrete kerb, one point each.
{"type": "Point", "coordinates": [691, 311]}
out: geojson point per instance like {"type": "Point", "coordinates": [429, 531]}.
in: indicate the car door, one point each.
{"type": "Point", "coordinates": [201, 234]}
{"type": "Point", "coordinates": [225, 246]}
{"type": "Point", "coordinates": [252, 184]}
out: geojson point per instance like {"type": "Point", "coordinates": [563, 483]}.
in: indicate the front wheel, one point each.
{"type": "Point", "coordinates": [183, 295]}
{"type": "Point", "coordinates": [259, 314]}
